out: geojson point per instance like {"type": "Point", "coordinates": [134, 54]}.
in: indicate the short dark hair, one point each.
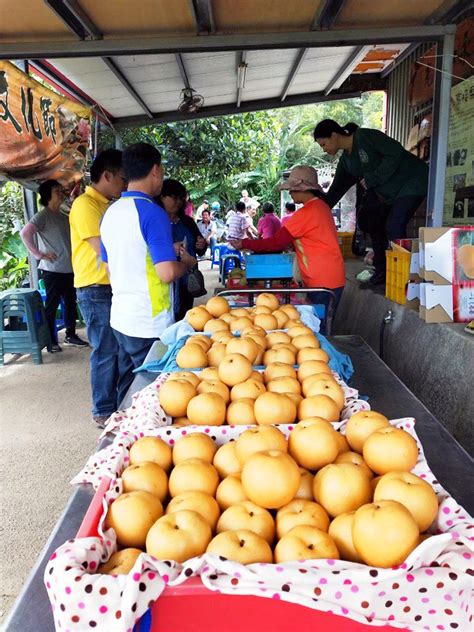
{"type": "Point", "coordinates": [325, 129]}
{"type": "Point", "coordinates": [139, 159]}
{"type": "Point", "coordinates": [240, 207]}
{"type": "Point", "coordinates": [268, 207]}
{"type": "Point", "coordinates": [290, 207]}
{"type": "Point", "coordinates": [45, 191]}
{"type": "Point", "coordinates": [107, 160]}
{"type": "Point", "coordinates": [206, 210]}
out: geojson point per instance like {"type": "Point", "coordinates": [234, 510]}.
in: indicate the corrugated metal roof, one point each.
{"type": "Point", "coordinates": [299, 52]}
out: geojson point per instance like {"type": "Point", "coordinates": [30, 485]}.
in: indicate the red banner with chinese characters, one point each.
{"type": "Point", "coordinates": [43, 135]}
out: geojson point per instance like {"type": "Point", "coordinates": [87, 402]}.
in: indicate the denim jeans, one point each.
{"type": "Point", "coordinates": [133, 352]}
{"type": "Point", "coordinates": [95, 302]}
{"type": "Point", "coordinates": [321, 298]}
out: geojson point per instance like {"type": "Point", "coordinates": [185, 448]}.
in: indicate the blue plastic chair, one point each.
{"type": "Point", "coordinates": [227, 263]}
{"type": "Point", "coordinates": [218, 251]}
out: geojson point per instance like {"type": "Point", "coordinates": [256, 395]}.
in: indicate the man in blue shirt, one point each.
{"type": "Point", "coordinates": [137, 245]}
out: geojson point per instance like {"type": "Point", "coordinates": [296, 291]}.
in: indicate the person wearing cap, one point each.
{"type": "Point", "coordinates": [395, 179]}
{"type": "Point", "coordinates": [215, 208]}
{"type": "Point", "coordinates": [312, 233]}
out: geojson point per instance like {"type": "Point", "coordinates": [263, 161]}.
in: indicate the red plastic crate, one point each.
{"type": "Point", "coordinates": [191, 606]}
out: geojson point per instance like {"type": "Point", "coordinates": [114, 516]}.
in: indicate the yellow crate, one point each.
{"type": "Point", "coordinates": [398, 275]}
{"type": "Point", "coordinates": [345, 244]}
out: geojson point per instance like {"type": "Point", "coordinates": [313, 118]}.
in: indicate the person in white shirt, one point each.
{"type": "Point", "coordinates": [238, 224]}
{"type": "Point", "coordinates": [208, 229]}
{"type": "Point", "coordinates": [137, 245]}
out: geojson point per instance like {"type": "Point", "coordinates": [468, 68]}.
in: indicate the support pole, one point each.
{"type": "Point", "coordinates": [30, 207]}
{"type": "Point", "coordinates": [440, 130]}
{"type": "Point", "coordinates": [118, 141]}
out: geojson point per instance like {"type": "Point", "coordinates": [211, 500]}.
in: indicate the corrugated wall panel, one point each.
{"type": "Point", "coordinates": [400, 113]}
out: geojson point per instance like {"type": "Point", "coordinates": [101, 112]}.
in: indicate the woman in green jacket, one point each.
{"type": "Point", "coordinates": [381, 164]}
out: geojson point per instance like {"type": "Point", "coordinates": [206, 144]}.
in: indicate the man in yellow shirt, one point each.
{"type": "Point", "coordinates": [92, 282]}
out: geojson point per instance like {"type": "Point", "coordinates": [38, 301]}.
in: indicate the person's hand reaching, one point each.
{"type": "Point", "coordinates": [188, 260]}
{"type": "Point", "coordinates": [236, 244]}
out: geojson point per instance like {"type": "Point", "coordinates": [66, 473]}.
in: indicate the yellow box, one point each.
{"type": "Point", "coordinates": [345, 244]}
{"type": "Point", "coordinates": [398, 275]}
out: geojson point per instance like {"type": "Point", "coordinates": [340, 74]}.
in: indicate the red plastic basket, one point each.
{"type": "Point", "coordinates": [191, 606]}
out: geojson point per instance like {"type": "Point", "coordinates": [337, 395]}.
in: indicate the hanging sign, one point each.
{"type": "Point", "coordinates": [43, 135]}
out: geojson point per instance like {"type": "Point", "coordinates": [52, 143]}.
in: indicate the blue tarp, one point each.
{"type": "Point", "coordinates": [339, 362]}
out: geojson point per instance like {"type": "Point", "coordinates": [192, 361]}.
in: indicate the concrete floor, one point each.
{"type": "Point", "coordinates": [46, 435]}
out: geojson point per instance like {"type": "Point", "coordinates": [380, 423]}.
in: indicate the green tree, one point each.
{"type": "Point", "coordinates": [208, 154]}
{"type": "Point", "coordinates": [217, 157]}
{"type": "Point", "coordinates": [13, 254]}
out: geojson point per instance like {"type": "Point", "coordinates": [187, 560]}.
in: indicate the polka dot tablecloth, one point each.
{"type": "Point", "coordinates": [432, 590]}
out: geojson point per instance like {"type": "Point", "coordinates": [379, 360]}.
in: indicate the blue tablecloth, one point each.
{"type": "Point", "coordinates": [339, 362]}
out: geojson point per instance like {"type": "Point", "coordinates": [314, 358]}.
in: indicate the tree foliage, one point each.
{"type": "Point", "coordinates": [13, 254]}
{"type": "Point", "coordinates": [216, 157]}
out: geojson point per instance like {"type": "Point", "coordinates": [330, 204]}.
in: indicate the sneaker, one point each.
{"type": "Point", "coordinates": [76, 341]}
{"type": "Point", "coordinates": [375, 280]}
{"type": "Point", "coordinates": [55, 348]}
{"type": "Point", "coordinates": [100, 420]}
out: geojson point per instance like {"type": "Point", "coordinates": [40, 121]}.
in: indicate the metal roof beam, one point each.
{"type": "Point", "coordinates": [82, 17]}
{"type": "Point", "coordinates": [127, 85]}
{"type": "Point", "coordinates": [449, 11]}
{"type": "Point", "coordinates": [230, 108]}
{"type": "Point", "coordinates": [292, 74]}
{"type": "Point", "coordinates": [327, 14]}
{"type": "Point", "coordinates": [246, 41]}
{"type": "Point", "coordinates": [346, 69]}
{"type": "Point", "coordinates": [182, 70]}
{"type": "Point", "coordinates": [240, 64]}
{"type": "Point", "coordinates": [203, 15]}
{"type": "Point", "coordinates": [75, 18]}
{"type": "Point", "coordinates": [68, 18]}
{"type": "Point", "coordinates": [324, 17]}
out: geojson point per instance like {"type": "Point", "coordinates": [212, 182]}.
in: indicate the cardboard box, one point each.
{"type": "Point", "coordinates": [413, 296]}
{"type": "Point", "coordinates": [436, 303]}
{"type": "Point", "coordinates": [440, 258]}
{"type": "Point", "coordinates": [446, 261]}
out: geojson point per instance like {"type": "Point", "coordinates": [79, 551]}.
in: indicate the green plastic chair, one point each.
{"type": "Point", "coordinates": [23, 326]}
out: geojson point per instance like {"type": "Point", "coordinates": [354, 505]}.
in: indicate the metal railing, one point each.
{"type": "Point", "coordinates": [251, 292]}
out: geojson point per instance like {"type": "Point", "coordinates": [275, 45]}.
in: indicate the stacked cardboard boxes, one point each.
{"type": "Point", "coordinates": [446, 268]}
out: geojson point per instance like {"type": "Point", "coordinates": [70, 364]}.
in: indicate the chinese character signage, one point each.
{"type": "Point", "coordinates": [459, 194]}
{"type": "Point", "coordinates": [42, 134]}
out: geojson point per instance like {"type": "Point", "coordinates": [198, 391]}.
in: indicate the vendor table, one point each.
{"type": "Point", "coordinates": [387, 394]}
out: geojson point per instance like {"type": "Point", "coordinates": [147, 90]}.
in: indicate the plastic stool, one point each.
{"type": "Point", "coordinates": [218, 251]}
{"type": "Point", "coordinates": [227, 263]}
{"type": "Point", "coordinates": [23, 326]}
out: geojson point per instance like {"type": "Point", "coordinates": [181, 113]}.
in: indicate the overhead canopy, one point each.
{"type": "Point", "coordinates": [132, 60]}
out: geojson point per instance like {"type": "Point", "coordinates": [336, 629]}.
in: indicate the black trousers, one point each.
{"type": "Point", "coordinates": [59, 286]}
{"type": "Point", "coordinates": [393, 226]}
